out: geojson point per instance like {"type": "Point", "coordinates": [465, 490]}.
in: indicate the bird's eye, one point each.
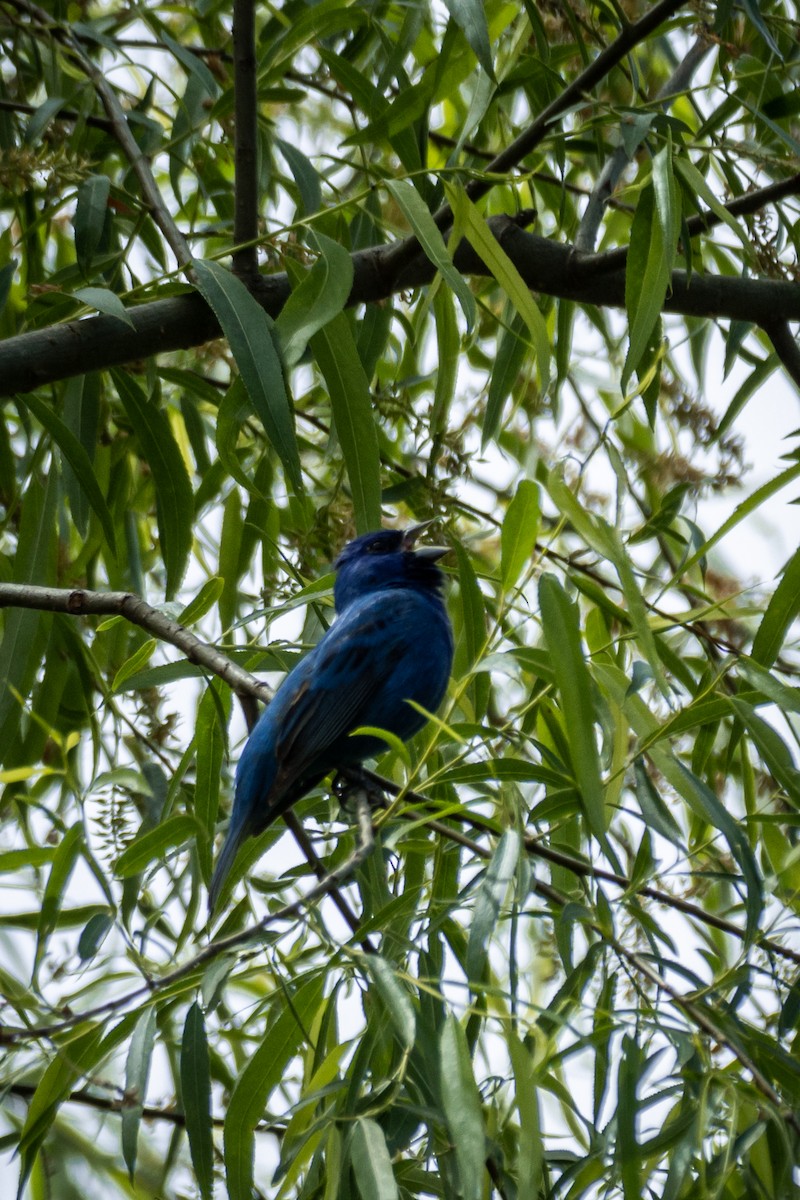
{"type": "Point", "coordinates": [374, 547]}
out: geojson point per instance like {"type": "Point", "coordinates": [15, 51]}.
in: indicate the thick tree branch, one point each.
{"type": "Point", "coordinates": [245, 213]}
{"type": "Point", "coordinates": [552, 268]}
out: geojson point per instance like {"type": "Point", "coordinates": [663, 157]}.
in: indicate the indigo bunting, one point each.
{"type": "Point", "coordinates": [391, 642]}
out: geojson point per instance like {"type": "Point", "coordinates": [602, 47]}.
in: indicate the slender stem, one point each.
{"type": "Point", "coordinates": [786, 348]}
{"type": "Point", "coordinates": [245, 218]}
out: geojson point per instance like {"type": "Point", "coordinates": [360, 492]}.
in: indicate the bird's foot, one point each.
{"type": "Point", "coordinates": [351, 783]}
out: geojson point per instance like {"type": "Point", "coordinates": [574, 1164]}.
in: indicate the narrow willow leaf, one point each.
{"type": "Point", "coordinates": [705, 804]}
{"type": "Point", "coordinates": [235, 408]}
{"type": "Point", "coordinates": [470, 16]}
{"type": "Point", "coordinates": [488, 902]}
{"type": "Point", "coordinates": [79, 1052]}
{"type": "Point", "coordinates": [781, 611]}
{"type": "Point", "coordinates": [134, 664]}
{"type": "Point", "coordinates": [262, 1074]}
{"type": "Point", "coordinates": [647, 278]}
{"type": "Point", "coordinates": [371, 1161]}
{"type": "Point", "coordinates": [305, 176]}
{"type": "Point", "coordinates": [397, 1000]}
{"type": "Point", "coordinates": [772, 748]}
{"type": "Point", "coordinates": [447, 349]}
{"type": "Point", "coordinates": [562, 633]}
{"type": "Point", "coordinates": [105, 301]}
{"type": "Point", "coordinates": [335, 351]}
{"type": "Point", "coordinates": [137, 1073]}
{"type": "Point", "coordinates": [89, 220]}
{"type": "Point", "coordinates": [75, 454]}
{"type": "Point", "coordinates": [519, 532]}
{"type": "Point", "coordinates": [485, 244]}
{"type": "Point", "coordinates": [628, 1150]}
{"type": "Point", "coordinates": [64, 862]}
{"type": "Point", "coordinates": [154, 843]}
{"type": "Point", "coordinates": [530, 1154]}
{"type": "Point", "coordinates": [215, 705]}
{"type": "Point", "coordinates": [174, 501]}
{"type": "Point", "coordinates": [741, 511]}
{"type": "Point", "coordinates": [321, 294]}
{"type": "Point", "coordinates": [253, 342]}
{"type": "Point", "coordinates": [427, 233]}
{"type": "Point", "coordinates": [196, 1096]}
{"type": "Point", "coordinates": [203, 602]}
{"type": "Point", "coordinates": [461, 1101]}
{"type": "Point", "coordinates": [94, 934]}
{"type": "Point", "coordinates": [512, 350]}
{"type": "Point", "coordinates": [228, 564]}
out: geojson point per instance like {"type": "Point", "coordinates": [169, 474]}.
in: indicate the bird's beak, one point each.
{"type": "Point", "coordinates": [411, 534]}
{"type": "Point", "coordinates": [431, 553]}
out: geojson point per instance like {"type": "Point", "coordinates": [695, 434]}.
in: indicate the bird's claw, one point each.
{"type": "Point", "coordinates": [349, 784]}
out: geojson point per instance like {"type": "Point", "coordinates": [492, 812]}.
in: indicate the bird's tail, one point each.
{"type": "Point", "coordinates": [235, 836]}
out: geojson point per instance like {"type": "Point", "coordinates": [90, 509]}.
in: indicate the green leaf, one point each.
{"type": "Point", "coordinates": [134, 664]}
{"type": "Point", "coordinates": [372, 1163]}
{"type": "Point", "coordinates": [427, 233]}
{"type": "Point", "coordinates": [174, 501]}
{"type": "Point", "coordinates": [79, 461]}
{"type": "Point", "coordinates": [488, 902]}
{"type": "Point", "coordinates": [336, 354]}
{"type": "Point", "coordinates": [89, 220]}
{"type": "Point", "coordinates": [519, 532]}
{"type": "Point", "coordinates": [512, 350]}
{"type": "Point", "coordinates": [741, 511]}
{"type": "Point", "coordinates": [262, 1074]}
{"type": "Point", "coordinates": [530, 1158]}
{"type": "Point", "coordinates": [470, 16]}
{"type": "Point", "coordinates": [203, 602]}
{"type": "Point", "coordinates": [214, 707]}
{"type": "Point", "coordinates": [321, 294]}
{"type": "Point", "coordinates": [781, 611]}
{"type": "Point", "coordinates": [137, 1072]}
{"type": "Point", "coordinates": [154, 843]}
{"type": "Point", "coordinates": [196, 1095]}
{"type": "Point", "coordinates": [396, 999]}
{"type": "Point", "coordinates": [64, 861]}
{"type": "Point", "coordinates": [462, 1108]}
{"type": "Point", "coordinates": [105, 301]}
{"type": "Point", "coordinates": [647, 277]}
{"type": "Point", "coordinates": [704, 803]}
{"type": "Point", "coordinates": [253, 342]}
{"type": "Point", "coordinates": [560, 623]}
{"type": "Point", "coordinates": [485, 244]}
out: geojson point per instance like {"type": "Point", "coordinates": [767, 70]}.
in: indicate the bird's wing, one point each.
{"type": "Point", "coordinates": [351, 665]}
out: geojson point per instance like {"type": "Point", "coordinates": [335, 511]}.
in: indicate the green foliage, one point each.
{"type": "Point", "coordinates": [569, 968]}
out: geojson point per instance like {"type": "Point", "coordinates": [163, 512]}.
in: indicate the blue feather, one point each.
{"type": "Point", "coordinates": [391, 643]}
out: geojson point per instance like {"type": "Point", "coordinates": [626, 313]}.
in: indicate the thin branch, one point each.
{"type": "Point", "coordinates": [112, 1104]}
{"type": "Point", "coordinates": [698, 1016]}
{"type": "Point", "coordinates": [786, 348]}
{"type": "Point", "coordinates": [44, 356]}
{"type": "Point", "coordinates": [235, 941]}
{"type": "Point", "coordinates": [612, 171]}
{"type": "Point", "coordinates": [63, 114]}
{"type": "Point", "coordinates": [116, 115]}
{"type": "Point", "coordinates": [245, 213]}
{"type": "Point", "coordinates": [630, 36]}
{"type": "Point", "coordinates": [78, 602]}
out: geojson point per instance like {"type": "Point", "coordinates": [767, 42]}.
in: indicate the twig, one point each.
{"type": "Point", "coordinates": [112, 1104]}
{"type": "Point", "coordinates": [245, 213]}
{"type": "Point", "coordinates": [235, 941]}
{"type": "Point", "coordinates": [116, 114]}
{"type": "Point", "coordinates": [610, 175]}
{"type": "Point", "coordinates": [786, 348]}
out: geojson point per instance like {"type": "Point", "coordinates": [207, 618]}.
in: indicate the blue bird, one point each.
{"type": "Point", "coordinates": [391, 642]}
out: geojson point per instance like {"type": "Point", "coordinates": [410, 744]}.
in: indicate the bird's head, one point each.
{"type": "Point", "coordinates": [386, 558]}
